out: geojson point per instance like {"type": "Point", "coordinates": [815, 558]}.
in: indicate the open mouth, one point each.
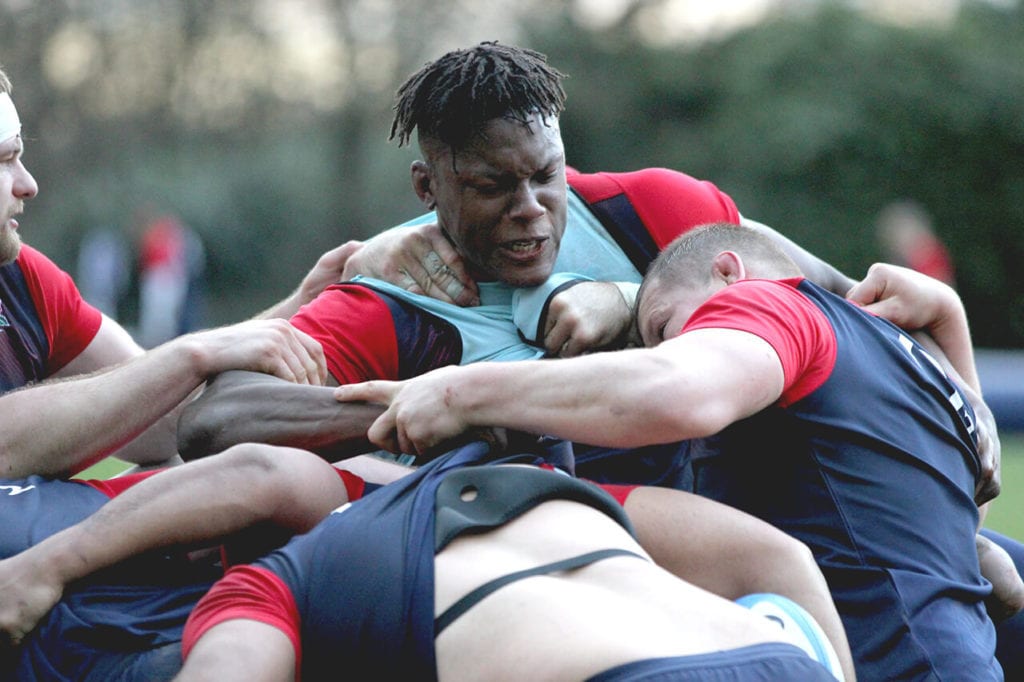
{"type": "Point", "coordinates": [524, 249]}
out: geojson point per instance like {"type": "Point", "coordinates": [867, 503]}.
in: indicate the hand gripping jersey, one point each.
{"type": "Point", "coordinates": [870, 458]}
{"type": "Point", "coordinates": [44, 322]}
{"type": "Point", "coordinates": [616, 224]}
{"type": "Point", "coordinates": [125, 619]}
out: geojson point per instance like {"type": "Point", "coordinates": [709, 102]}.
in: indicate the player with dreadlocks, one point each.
{"type": "Point", "coordinates": [451, 98]}
{"type": "Point", "coordinates": [556, 253]}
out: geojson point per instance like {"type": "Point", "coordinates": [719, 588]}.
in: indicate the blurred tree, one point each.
{"type": "Point", "coordinates": [814, 122]}
{"type": "Point", "coordinates": [263, 124]}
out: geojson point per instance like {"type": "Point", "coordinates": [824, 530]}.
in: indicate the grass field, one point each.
{"type": "Point", "coordinates": [1006, 513]}
{"type": "Point", "coordinates": [111, 466]}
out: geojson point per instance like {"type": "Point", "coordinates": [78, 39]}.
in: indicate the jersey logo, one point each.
{"type": "Point", "coordinates": [955, 399]}
{"type": "Point", "coordinates": [13, 490]}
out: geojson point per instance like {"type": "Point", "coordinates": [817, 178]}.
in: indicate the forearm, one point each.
{"type": "Point", "coordinates": [951, 332]}
{"type": "Point", "coordinates": [328, 270]}
{"type": "Point", "coordinates": [97, 413]}
{"type": "Point", "coordinates": [156, 445]}
{"type": "Point", "coordinates": [818, 271]}
{"type": "Point", "coordinates": [202, 503]}
{"type": "Point", "coordinates": [238, 407]}
{"type": "Point", "coordinates": [240, 650]}
{"type": "Point", "coordinates": [614, 399]}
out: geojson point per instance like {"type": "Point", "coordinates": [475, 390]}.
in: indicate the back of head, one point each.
{"type": "Point", "coordinates": [5, 82]}
{"type": "Point", "coordinates": [688, 258]}
{"type": "Point", "coordinates": [452, 98]}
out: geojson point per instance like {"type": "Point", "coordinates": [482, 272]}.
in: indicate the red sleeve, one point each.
{"type": "Point", "coordinates": [247, 593]}
{"type": "Point", "coordinates": [668, 202]}
{"type": "Point", "coordinates": [356, 330]}
{"type": "Point", "coordinates": [112, 487]}
{"type": "Point", "coordinates": [355, 486]}
{"type": "Point", "coordinates": [69, 322]}
{"type": "Point", "coordinates": [790, 322]}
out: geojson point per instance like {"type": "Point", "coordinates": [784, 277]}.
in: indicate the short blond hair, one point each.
{"type": "Point", "coordinates": [5, 82]}
{"type": "Point", "coordinates": [685, 260]}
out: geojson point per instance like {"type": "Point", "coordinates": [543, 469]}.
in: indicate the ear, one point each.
{"type": "Point", "coordinates": [728, 267]}
{"type": "Point", "coordinates": [422, 183]}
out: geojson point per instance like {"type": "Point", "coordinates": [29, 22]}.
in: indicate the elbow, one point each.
{"type": "Point", "coordinates": [199, 431]}
{"type": "Point", "coordinates": [204, 426]}
{"type": "Point", "coordinates": [674, 421]}
{"type": "Point", "coordinates": [208, 424]}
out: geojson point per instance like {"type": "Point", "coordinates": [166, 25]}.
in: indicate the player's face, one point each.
{"type": "Point", "coordinates": [665, 308]}
{"type": "Point", "coordinates": [503, 202]}
{"type": "Point", "coordinates": [16, 185]}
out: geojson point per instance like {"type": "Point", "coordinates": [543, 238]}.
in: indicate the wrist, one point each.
{"type": "Point", "coordinates": [199, 358]}
{"type": "Point", "coordinates": [628, 291]}
{"type": "Point", "coordinates": [54, 561]}
{"type": "Point", "coordinates": [472, 396]}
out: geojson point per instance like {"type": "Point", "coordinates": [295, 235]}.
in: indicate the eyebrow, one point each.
{"type": "Point", "coordinates": [12, 145]}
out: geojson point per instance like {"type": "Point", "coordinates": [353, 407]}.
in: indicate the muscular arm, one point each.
{"type": "Point", "coordinates": [329, 269]}
{"type": "Point", "coordinates": [182, 506]}
{"type": "Point", "coordinates": [690, 386]}
{"type": "Point", "coordinates": [238, 407]}
{"type": "Point", "coordinates": [112, 346]}
{"type": "Point", "coordinates": [240, 650]}
{"type": "Point", "coordinates": [935, 314]}
{"type": "Point", "coordinates": [815, 269]}
{"type": "Point", "coordinates": [917, 302]}
{"type": "Point", "coordinates": [62, 425]}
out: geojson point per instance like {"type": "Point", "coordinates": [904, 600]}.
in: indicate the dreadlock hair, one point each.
{"type": "Point", "coordinates": [453, 97]}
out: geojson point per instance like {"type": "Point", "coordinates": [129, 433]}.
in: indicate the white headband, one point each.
{"type": "Point", "coordinates": [10, 125]}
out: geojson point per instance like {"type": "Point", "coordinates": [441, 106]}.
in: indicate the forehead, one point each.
{"type": "Point", "coordinates": [653, 297]}
{"type": "Point", "coordinates": [505, 145]}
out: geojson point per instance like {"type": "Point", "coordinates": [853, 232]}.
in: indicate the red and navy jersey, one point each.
{"type": "Point", "coordinates": [870, 459]}
{"type": "Point", "coordinates": [368, 333]}
{"type": "Point", "coordinates": [644, 210]}
{"type": "Point", "coordinates": [133, 607]}
{"type": "Point", "coordinates": [44, 321]}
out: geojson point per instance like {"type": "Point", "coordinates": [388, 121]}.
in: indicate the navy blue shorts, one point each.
{"type": "Point", "coordinates": [154, 665]}
{"type": "Point", "coordinates": [771, 662]}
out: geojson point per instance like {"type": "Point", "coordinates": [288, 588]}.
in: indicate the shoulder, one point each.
{"type": "Point", "coordinates": [70, 322]}
{"type": "Point", "coordinates": [666, 201]}
{"type": "Point", "coordinates": [778, 312]}
{"type": "Point", "coordinates": [646, 182]}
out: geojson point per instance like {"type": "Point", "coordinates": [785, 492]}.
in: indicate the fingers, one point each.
{"type": "Point", "coordinates": [294, 355]}
{"type": "Point", "coordinates": [377, 392]}
{"type": "Point", "coordinates": [384, 434]}
{"type": "Point", "coordinates": [310, 355]}
{"type": "Point", "coordinates": [558, 338]}
{"type": "Point", "coordinates": [432, 276]}
{"type": "Point", "coordinates": [445, 260]}
{"type": "Point", "coordinates": [871, 288]}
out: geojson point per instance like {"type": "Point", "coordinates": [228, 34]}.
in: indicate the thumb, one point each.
{"type": "Point", "coordinates": [865, 291]}
{"type": "Point", "coordinates": [380, 392]}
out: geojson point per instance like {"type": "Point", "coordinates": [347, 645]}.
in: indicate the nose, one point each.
{"type": "Point", "coordinates": [526, 204]}
{"type": "Point", "coordinates": [25, 186]}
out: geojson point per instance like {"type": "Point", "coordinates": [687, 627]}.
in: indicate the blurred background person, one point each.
{"type": "Point", "coordinates": [907, 238]}
{"type": "Point", "coordinates": [103, 269]}
{"type": "Point", "coordinates": [172, 263]}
